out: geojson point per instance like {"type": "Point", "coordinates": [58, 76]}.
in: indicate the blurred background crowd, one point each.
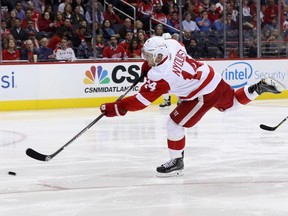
{"type": "Point", "coordinates": [69, 30]}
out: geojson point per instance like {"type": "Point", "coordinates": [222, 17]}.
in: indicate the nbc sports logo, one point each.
{"type": "Point", "coordinates": [102, 75]}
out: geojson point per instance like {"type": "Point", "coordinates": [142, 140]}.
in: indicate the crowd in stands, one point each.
{"type": "Point", "coordinates": [64, 30]}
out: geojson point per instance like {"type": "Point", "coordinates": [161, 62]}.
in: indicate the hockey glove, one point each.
{"type": "Point", "coordinates": [113, 109]}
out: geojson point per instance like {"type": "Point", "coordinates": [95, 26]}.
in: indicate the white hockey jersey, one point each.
{"type": "Point", "coordinates": [177, 74]}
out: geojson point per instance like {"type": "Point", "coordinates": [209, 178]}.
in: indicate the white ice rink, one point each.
{"type": "Point", "coordinates": [232, 167]}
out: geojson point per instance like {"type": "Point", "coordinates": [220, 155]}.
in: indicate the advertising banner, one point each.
{"type": "Point", "coordinates": [65, 81]}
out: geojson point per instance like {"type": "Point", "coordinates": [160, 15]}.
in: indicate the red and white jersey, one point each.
{"type": "Point", "coordinates": [177, 74]}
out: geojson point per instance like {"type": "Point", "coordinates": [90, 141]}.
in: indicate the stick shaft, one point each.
{"type": "Point", "coordinates": [38, 156]}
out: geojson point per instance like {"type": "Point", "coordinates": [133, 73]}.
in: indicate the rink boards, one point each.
{"type": "Point", "coordinates": [89, 84]}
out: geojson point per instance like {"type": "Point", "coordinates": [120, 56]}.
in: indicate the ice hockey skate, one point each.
{"type": "Point", "coordinates": [267, 85]}
{"type": "Point", "coordinates": [166, 103]}
{"type": "Point", "coordinates": [174, 167]}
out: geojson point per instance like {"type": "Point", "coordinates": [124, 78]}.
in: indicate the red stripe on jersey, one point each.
{"type": "Point", "coordinates": [131, 103]}
{"type": "Point", "coordinates": [203, 85]}
{"type": "Point", "coordinates": [176, 145]}
{"type": "Point", "coordinates": [241, 96]}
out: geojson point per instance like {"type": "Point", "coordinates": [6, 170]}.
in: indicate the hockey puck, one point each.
{"type": "Point", "coordinates": [11, 173]}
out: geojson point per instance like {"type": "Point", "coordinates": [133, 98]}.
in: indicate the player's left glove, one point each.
{"type": "Point", "coordinates": [113, 109]}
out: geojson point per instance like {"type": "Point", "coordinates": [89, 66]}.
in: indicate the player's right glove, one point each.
{"type": "Point", "coordinates": [113, 109]}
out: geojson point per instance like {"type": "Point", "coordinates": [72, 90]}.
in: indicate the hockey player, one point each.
{"type": "Point", "coordinates": [168, 68]}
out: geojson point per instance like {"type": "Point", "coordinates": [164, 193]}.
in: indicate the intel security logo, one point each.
{"type": "Point", "coordinates": [237, 74]}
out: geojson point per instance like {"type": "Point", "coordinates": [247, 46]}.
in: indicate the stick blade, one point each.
{"type": "Point", "coordinates": [36, 155]}
{"type": "Point", "coordinates": [265, 127]}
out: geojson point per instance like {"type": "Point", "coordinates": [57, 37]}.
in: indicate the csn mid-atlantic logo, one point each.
{"type": "Point", "coordinates": [101, 80]}
{"type": "Point", "coordinates": [237, 74]}
{"type": "Point", "coordinates": [7, 80]}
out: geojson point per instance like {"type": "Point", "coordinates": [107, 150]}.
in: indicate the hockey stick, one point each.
{"type": "Point", "coordinates": [38, 156]}
{"type": "Point", "coordinates": [265, 127]}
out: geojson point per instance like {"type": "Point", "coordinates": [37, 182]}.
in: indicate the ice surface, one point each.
{"type": "Point", "coordinates": [232, 167]}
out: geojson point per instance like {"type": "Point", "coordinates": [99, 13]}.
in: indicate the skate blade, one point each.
{"type": "Point", "coordinates": [278, 85]}
{"type": "Point", "coordinates": [171, 174]}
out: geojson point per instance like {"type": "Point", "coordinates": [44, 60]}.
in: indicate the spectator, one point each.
{"type": "Point", "coordinates": [64, 52]}
{"type": "Point", "coordinates": [35, 13]}
{"type": "Point", "coordinates": [206, 5]}
{"type": "Point", "coordinates": [133, 51]}
{"type": "Point", "coordinates": [173, 22]}
{"type": "Point", "coordinates": [4, 31]}
{"type": "Point", "coordinates": [170, 11]}
{"type": "Point", "coordinates": [128, 39]}
{"type": "Point", "coordinates": [77, 17]}
{"type": "Point", "coordinates": [98, 29]}
{"type": "Point", "coordinates": [80, 5]}
{"type": "Point", "coordinates": [32, 37]}
{"type": "Point", "coordinates": [67, 14]}
{"type": "Point", "coordinates": [79, 36]}
{"type": "Point", "coordinates": [145, 10]}
{"type": "Point", "coordinates": [219, 24]}
{"type": "Point", "coordinates": [49, 9]}
{"type": "Point", "coordinates": [85, 50]}
{"type": "Point", "coordinates": [213, 14]}
{"type": "Point", "coordinates": [230, 8]}
{"type": "Point", "coordinates": [30, 28]}
{"type": "Point", "coordinates": [98, 14]}
{"type": "Point", "coordinates": [138, 25]}
{"type": "Point", "coordinates": [99, 45]}
{"type": "Point", "coordinates": [167, 5]}
{"type": "Point", "coordinates": [11, 19]}
{"type": "Point", "coordinates": [247, 17]}
{"type": "Point", "coordinates": [125, 28]}
{"type": "Point", "coordinates": [20, 13]}
{"type": "Point", "coordinates": [141, 36]}
{"type": "Point", "coordinates": [273, 25]}
{"type": "Point", "coordinates": [158, 31]}
{"type": "Point", "coordinates": [108, 30]}
{"type": "Point", "coordinates": [220, 6]}
{"type": "Point", "coordinates": [158, 15]}
{"type": "Point", "coordinates": [66, 28]}
{"type": "Point", "coordinates": [113, 50]}
{"type": "Point", "coordinates": [38, 6]}
{"type": "Point", "coordinates": [187, 36]}
{"type": "Point", "coordinates": [28, 52]}
{"type": "Point", "coordinates": [189, 9]}
{"type": "Point", "coordinates": [194, 50]}
{"type": "Point", "coordinates": [27, 19]}
{"type": "Point", "coordinates": [18, 33]}
{"type": "Point", "coordinates": [270, 13]}
{"type": "Point", "coordinates": [90, 3]}
{"type": "Point", "coordinates": [230, 23]}
{"type": "Point", "coordinates": [62, 5]}
{"type": "Point", "coordinates": [198, 7]}
{"type": "Point", "coordinates": [45, 53]}
{"type": "Point", "coordinates": [55, 40]}
{"type": "Point", "coordinates": [277, 45]}
{"type": "Point", "coordinates": [203, 22]}
{"type": "Point", "coordinates": [188, 24]}
{"type": "Point", "coordinates": [110, 15]}
{"type": "Point", "coordinates": [46, 25]}
{"type": "Point", "coordinates": [175, 36]}
{"type": "Point", "coordinates": [59, 20]}
{"type": "Point", "coordinates": [10, 52]}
